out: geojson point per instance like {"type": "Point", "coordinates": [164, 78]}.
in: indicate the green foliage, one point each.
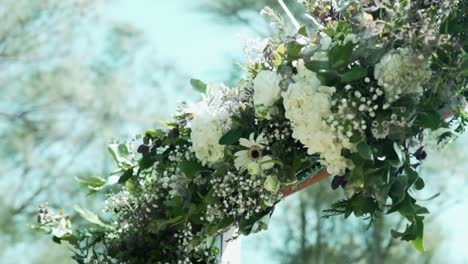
{"type": "Point", "coordinates": [365, 151]}
{"type": "Point", "coordinates": [93, 183]}
{"type": "Point", "coordinates": [198, 85]}
{"type": "Point", "coordinates": [191, 168]}
{"type": "Point", "coordinates": [91, 218]}
{"type": "Point", "coordinates": [171, 194]}
{"type": "Point", "coordinates": [231, 137]}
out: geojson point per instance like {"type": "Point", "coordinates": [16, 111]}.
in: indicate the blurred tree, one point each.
{"type": "Point", "coordinates": [245, 12]}
{"type": "Point", "coordinates": [310, 239]}
{"type": "Point", "coordinates": [70, 81]}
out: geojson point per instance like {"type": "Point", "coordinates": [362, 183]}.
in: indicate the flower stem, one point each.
{"type": "Point", "coordinates": [290, 15]}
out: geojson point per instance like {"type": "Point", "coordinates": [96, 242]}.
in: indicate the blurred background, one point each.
{"type": "Point", "coordinates": [75, 74]}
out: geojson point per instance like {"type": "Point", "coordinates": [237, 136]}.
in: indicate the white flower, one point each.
{"type": "Point", "coordinates": [271, 184]}
{"type": "Point", "coordinates": [253, 153]}
{"type": "Point", "coordinates": [207, 127]}
{"type": "Point", "coordinates": [307, 103]}
{"type": "Point", "coordinates": [62, 228]}
{"type": "Point", "coordinates": [254, 168]}
{"type": "Point", "coordinates": [401, 72]}
{"type": "Point", "coordinates": [266, 88]}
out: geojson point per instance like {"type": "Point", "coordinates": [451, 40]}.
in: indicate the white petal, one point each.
{"type": "Point", "coordinates": [242, 153]}
{"type": "Point", "coordinates": [260, 139]}
{"type": "Point", "coordinates": [246, 143]}
{"type": "Point", "coordinates": [241, 163]}
{"type": "Point", "coordinates": [268, 165]}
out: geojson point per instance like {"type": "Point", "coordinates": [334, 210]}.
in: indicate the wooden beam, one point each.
{"type": "Point", "coordinates": [291, 189]}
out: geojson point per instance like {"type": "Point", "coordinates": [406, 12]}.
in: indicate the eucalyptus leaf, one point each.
{"type": "Point", "coordinates": [198, 85]}
{"type": "Point", "coordinates": [91, 217]}
{"type": "Point", "coordinates": [120, 154]}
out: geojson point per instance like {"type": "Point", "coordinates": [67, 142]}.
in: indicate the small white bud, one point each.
{"type": "Point", "coordinates": [254, 168]}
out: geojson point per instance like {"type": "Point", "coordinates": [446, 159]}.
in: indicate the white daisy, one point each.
{"type": "Point", "coordinates": [253, 153]}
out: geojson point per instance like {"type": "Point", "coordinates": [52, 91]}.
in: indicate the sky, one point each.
{"type": "Point", "coordinates": [205, 48]}
{"type": "Point", "coordinates": [196, 42]}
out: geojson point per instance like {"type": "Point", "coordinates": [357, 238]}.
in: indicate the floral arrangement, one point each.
{"type": "Point", "coordinates": [357, 91]}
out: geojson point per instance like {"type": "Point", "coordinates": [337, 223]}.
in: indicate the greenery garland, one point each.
{"type": "Point", "coordinates": [359, 90]}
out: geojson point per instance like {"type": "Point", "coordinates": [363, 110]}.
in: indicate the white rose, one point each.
{"type": "Point", "coordinates": [207, 129]}
{"type": "Point", "coordinates": [271, 184]}
{"type": "Point", "coordinates": [266, 88]}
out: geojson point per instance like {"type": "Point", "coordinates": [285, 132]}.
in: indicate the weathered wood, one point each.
{"type": "Point", "coordinates": [291, 189]}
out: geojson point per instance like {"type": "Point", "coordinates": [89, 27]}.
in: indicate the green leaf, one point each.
{"type": "Point", "coordinates": [330, 32]}
{"type": "Point", "coordinates": [363, 205]}
{"type": "Point", "coordinates": [365, 151]}
{"type": "Point", "coordinates": [126, 176]}
{"type": "Point", "coordinates": [317, 66]}
{"type": "Point", "coordinates": [356, 178]}
{"type": "Point", "coordinates": [432, 197]}
{"type": "Point", "coordinates": [430, 120]}
{"type": "Point", "coordinates": [56, 240]}
{"type": "Point", "coordinates": [155, 134]}
{"type": "Point", "coordinates": [419, 184]}
{"type": "Point", "coordinates": [356, 73]}
{"type": "Point", "coordinates": [343, 27]}
{"type": "Point", "coordinates": [231, 137]}
{"type": "Point", "coordinates": [303, 31]}
{"type": "Point", "coordinates": [293, 51]}
{"type": "Point", "coordinates": [340, 56]}
{"type": "Point", "coordinates": [261, 224]}
{"type": "Point", "coordinates": [396, 234]}
{"type": "Point", "coordinates": [256, 223]}
{"type": "Point", "coordinates": [120, 154]}
{"type": "Point", "coordinates": [418, 243]}
{"type": "Point", "coordinates": [198, 85]}
{"type": "Point", "coordinates": [91, 182]}
{"type": "Point", "coordinates": [464, 73]}
{"type": "Point", "coordinates": [328, 77]}
{"type": "Point", "coordinates": [355, 138]}
{"type": "Point", "coordinates": [287, 173]}
{"type": "Point", "coordinates": [91, 217]}
{"type": "Point", "coordinates": [401, 156]}
{"type": "Point", "coordinates": [146, 162]}
{"type": "Point", "coordinates": [190, 168]}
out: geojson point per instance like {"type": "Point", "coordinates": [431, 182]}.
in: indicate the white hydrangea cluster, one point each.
{"type": "Point", "coordinates": [208, 126]}
{"type": "Point", "coordinates": [402, 72]}
{"type": "Point", "coordinates": [307, 103]}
